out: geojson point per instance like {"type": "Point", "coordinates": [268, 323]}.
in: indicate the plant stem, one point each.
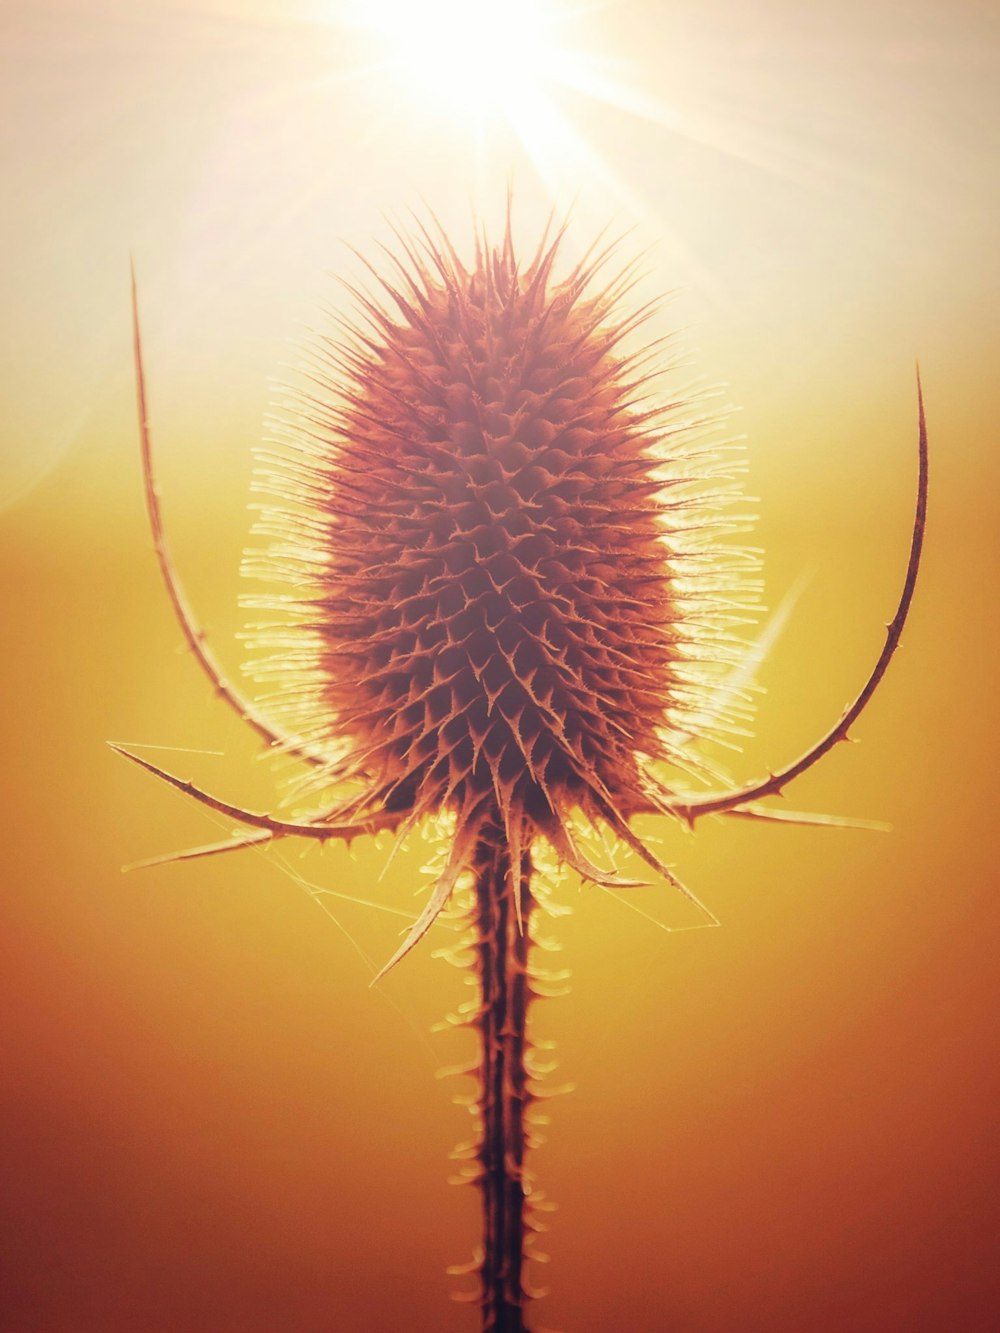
{"type": "Point", "coordinates": [502, 946]}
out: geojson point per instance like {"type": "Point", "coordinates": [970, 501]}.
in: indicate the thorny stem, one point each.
{"type": "Point", "coordinates": [502, 954]}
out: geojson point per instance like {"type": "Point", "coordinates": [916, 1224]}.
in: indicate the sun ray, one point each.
{"type": "Point", "coordinates": [564, 160]}
{"type": "Point", "coordinates": [739, 139]}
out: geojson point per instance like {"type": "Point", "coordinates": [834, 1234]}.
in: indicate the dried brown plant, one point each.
{"type": "Point", "coordinates": [507, 603]}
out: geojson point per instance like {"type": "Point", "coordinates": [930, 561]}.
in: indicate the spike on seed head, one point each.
{"type": "Point", "coordinates": [505, 603]}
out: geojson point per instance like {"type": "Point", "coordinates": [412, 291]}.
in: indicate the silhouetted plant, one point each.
{"type": "Point", "coordinates": [506, 604]}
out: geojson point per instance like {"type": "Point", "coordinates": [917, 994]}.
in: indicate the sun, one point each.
{"type": "Point", "coordinates": [496, 69]}
{"type": "Point", "coordinates": [476, 58]}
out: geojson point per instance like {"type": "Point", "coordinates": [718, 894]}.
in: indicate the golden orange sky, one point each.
{"type": "Point", "coordinates": [211, 1123]}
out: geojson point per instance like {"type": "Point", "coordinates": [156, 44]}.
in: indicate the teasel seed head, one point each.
{"type": "Point", "coordinates": [507, 600]}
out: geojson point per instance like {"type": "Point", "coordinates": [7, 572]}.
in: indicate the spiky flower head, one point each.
{"type": "Point", "coordinates": [506, 598]}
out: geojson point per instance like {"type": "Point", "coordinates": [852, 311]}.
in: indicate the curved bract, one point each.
{"type": "Point", "coordinates": [741, 801]}
{"type": "Point", "coordinates": [194, 635]}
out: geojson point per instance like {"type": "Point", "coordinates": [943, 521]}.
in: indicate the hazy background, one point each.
{"type": "Point", "coordinates": [210, 1121]}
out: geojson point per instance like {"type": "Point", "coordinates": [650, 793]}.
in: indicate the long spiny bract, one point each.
{"type": "Point", "coordinates": [194, 636]}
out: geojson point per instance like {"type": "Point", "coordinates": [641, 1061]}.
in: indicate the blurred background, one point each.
{"type": "Point", "coordinates": [210, 1121]}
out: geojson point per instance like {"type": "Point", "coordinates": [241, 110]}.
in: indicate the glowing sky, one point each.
{"type": "Point", "coordinates": [209, 1120]}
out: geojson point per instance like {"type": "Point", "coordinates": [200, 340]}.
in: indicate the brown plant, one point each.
{"type": "Point", "coordinates": [508, 604]}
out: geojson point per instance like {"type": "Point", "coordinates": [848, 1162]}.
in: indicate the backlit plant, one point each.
{"type": "Point", "coordinates": [506, 607]}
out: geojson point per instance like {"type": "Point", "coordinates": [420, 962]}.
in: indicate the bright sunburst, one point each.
{"type": "Point", "coordinates": [479, 58]}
